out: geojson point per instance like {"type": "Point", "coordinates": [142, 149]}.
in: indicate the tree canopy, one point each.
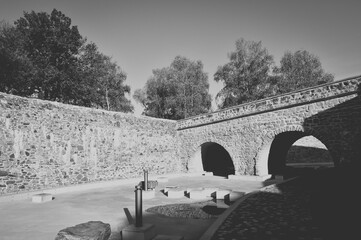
{"type": "Point", "coordinates": [176, 92]}
{"type": "Point", "coordinates": [251, 74]}
{"type": "Point", "coordinates": [246, 74]}
{"type": "Point", "coordinates": [298, 70]}
{"type": "Point", "coordinates": [44, 56]}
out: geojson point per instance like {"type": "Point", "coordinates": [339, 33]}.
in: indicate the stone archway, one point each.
{"type": "Point", "coordinates": [212, 157]}
{"type": "Point", "coordinates": [309, 151]}
{"type": "Point", "coordinates": [282, 147]}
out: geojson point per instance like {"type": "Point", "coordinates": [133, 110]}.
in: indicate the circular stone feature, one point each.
{"type": "Point", "coordinates": [200, 210]}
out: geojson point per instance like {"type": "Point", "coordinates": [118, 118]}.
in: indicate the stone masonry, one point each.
{"type": "Point", "coordinates": [258, 135]}
{"type": "Point", "coordinates": [47, 144]}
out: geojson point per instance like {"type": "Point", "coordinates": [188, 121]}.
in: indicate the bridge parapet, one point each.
{"type": "Point", "coordinates": [308, 95]}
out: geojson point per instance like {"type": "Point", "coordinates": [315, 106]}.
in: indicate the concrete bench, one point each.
{"type": "Point", "coordinates": [42, 197]}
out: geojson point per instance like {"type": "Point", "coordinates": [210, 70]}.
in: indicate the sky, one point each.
{"type": "Point", "coordinates": [144, 35]}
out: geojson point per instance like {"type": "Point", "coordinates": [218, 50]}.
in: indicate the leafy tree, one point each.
{"type": "Point", "coordinates": [246, 75]}
{"type": "Point", "coordinates": [102, 81]}
{"type": "Point", "coordinates": [298, 70]}
{"type": "Point", "coordinates": [177, 91]}
{"type": "Point", "coordinates": [44, 56]}
{"type": "Point", "coordinates": [51, 43]}
{"type": "Point", "coordinates": [15, 67]}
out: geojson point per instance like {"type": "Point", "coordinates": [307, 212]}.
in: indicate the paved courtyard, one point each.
{"type": "Point", "coordinates": [24, 220]}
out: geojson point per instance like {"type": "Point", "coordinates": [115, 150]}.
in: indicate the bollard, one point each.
{"type": "Point", "coordinates": [138, 206]}
{"type": "Point", "coordinates": [145, 180]}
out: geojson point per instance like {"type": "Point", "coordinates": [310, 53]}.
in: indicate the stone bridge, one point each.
{"type": "Point", "coordinates": [254, 138]}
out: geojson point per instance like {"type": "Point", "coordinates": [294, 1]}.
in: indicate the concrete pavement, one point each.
{"type": "Point", "coordinates": [22, 219]}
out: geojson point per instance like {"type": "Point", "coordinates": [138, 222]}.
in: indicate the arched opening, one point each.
{"type": "Point", "coordinates": [308, 151]}
{"type": "Point", "coordinates": [295, 152]}
{"type": "Point", "coordinates": [216, 159]}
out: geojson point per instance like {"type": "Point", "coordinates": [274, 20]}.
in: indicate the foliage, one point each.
{"type": "Point", "coordinates": [177, 91]}
{"type": "Point", "coordinates": [102, 81]}
{"type": "Point", "coordinates": [250, 74]}
{"type": "Point", "coordinates": [298, 70]}
{"type": "Point", "coordinates": [15, 67]}
{"type": "Point", "coordinates": [246, 75]}
{"type": "Point", "coordinates": [44, 56]}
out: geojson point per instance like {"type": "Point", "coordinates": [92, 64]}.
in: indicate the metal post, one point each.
{"type": "Point", "coordinates": [145, 180]}
{"type": "Point", "coordinates": [138, 206]}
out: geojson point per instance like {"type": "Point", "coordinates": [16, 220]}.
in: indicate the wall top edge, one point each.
{"type": "Point", "coordinates": [302, 96]}
{"type": "Point", "coordinates": [49, 105]}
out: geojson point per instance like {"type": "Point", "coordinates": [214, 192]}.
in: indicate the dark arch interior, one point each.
{"type": "Point", "coordinates": [216, 159]}
{"type": "Point", "coordinates": [279, 149]}
{"type": "Point", "coordinates": [282, 147]}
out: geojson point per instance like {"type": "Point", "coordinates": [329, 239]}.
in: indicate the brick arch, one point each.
{"type": "Point", "coordinates": [265, 162]}
{"type": "Point", "coordinates": [195, 163]}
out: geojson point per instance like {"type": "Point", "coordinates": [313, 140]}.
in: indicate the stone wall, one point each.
{"type": "Point", "coordinates": [300, 97]}
{"type": "Point", "coordinates": [46, 144]}
{"type": "Point", "coordinates": [329, 112]}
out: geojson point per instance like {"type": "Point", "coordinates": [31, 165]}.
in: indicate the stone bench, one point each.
{"type": "Point", "coordinates": [42, 197]}
{"type": "Point", "coordinates": [175, 192]}
{"type": "Point", "coordinates": [222, 193]}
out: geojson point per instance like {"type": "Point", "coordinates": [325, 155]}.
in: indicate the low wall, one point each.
{"type": "Point", "coordinates": [46, 144]}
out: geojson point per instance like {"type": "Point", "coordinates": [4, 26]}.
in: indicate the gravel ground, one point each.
{"type": "Point", "coordinates": [197, 210]}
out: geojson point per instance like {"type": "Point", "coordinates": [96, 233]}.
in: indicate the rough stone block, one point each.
{"type": "Point", "coordinates": [42, 197]}
{"type": "Point", "coordinates": [92, 230]}
{"type": "Point", "coordinates": [145, 232]}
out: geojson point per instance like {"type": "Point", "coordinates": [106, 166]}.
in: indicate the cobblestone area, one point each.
{"type": "Point", "coordinates": [280, 212]}
{"type": "Point", "coordinates": [319, 206]}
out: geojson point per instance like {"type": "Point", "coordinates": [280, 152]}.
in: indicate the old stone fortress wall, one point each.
{"type": "Point", "coordinates": [46, 144]}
